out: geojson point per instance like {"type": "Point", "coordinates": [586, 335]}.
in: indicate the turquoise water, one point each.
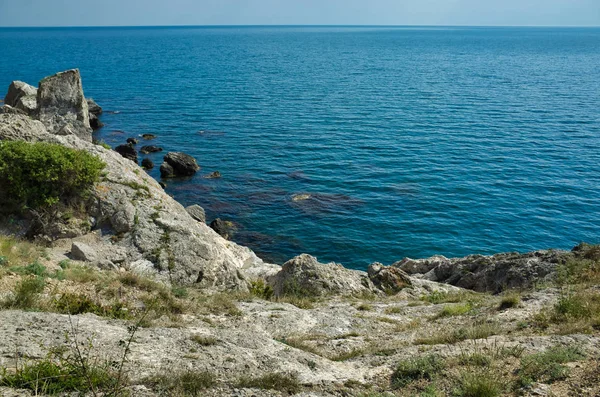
{"type": "Point", "coordinates": [412, 141]}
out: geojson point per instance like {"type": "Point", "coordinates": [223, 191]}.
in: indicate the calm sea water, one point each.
{"type": "Point", "coordinates": [411, 141]}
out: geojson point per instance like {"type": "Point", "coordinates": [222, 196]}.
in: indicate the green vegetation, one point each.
{"type": "Point", "coordinates": [26, 294]}
{"type": "Point", "coordinates": [457, 309]}
{"type": "Point", "coordinates": [275, 381]}
{"type": "Point", "coordinates": [427, 367]}
{"type": "Point", "coordinates": [547, 366]}
{"type": "Point", "coordinates": [261, 289]}
{"type": "Point", "coordinates": [479, 384]}
{"type": "Point", "coordinates": [510, 301]}
{"type": "Point", "coordinates": [475, 331]}
{"type": "Point", "coordinates": [41, 175]}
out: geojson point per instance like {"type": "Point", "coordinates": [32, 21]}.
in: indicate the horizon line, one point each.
{"type": "Point", "coordinates": [292, 25]}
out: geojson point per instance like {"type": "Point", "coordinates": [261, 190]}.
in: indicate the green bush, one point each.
{"type": "Point", "coordinates": [26, 293]}
{"type": "Point", "coordinates": [40, 175]}
{"type": "Point", "coordinates": [479, 384]}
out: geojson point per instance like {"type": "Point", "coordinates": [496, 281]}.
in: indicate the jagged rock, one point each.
{"type": "Point", "coordinates": [102, 256]}
{"type": "Point", "coordinates": [148, 137]}
{"type": "Point", "coordinates": [95, 122]}
{"type": "Point", "coordinates": [127, 151]}
{"type": "Point", "coordinates": [488, 273]}
{"type": "Point", "coordinates": [147, 164]}
{"type": "Point", "coordinates": [7, 109]}
{"type": "Point", "coordinates": [16, 90]}
{"type": "Point", "coordinates": [225, 229]}
{"type": "Point", "coordinates": [93, 107]}
{"type": "Point", "coordinates": [213, 175]}
{"type": "Point", "coordinates": [27, 104]}
{"type": "Point", "coordinates": [197, 213]}
{"type": "Point", "coordinates": [305, 276]}
{"type": "Point", "coordinates": [166, 171]}
{"type": "Point", "coordinates": [150, 149]}
{"type": "Point", "coordinates": [62, 107]}
{"type": "Point", "coordinates": [132, 141]}
{"type": "Point", "coordinates": [182, 164]}
{"type": "Point", "coordinates": [389, 279]}
{"type": "Point", "coordinates": [19, 127]}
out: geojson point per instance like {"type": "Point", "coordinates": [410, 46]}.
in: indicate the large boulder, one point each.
{"type": "Point", "coordinates": [390, 280]}
{"type": "Point", "coordinates": [182, 164]}
{"type": "Point", "coordinates": [225, 229]}
{"type": "Point", "coordinates": [305, 276]}
{"type": "Point", "coordinates": [28, 104]}
{"type": "Point", "coordinates": [494, 273]}
{"type": "Point", "coordinates": [62, 107]}
{"type": "Point", "coordinates": [17, 90]}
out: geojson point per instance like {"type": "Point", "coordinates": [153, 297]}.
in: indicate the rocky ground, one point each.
{"type": "Point", "coordinates": [132, 294]}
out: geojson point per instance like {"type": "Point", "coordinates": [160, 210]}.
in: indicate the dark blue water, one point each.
{"type": "Point", "coordinates": [411, 141]}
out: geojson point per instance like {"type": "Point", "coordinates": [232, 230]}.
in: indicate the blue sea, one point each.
{"type": "Point", "coordinates": [410, 141]}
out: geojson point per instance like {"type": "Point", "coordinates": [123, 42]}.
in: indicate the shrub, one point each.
{"type": "Point", "coordinates": [261, 289]}
{"type": "Point", "coordinates": [457, 309]}
{"type": "Point", "coordinates": [426, 367]}
{"type": "Point", "coordinates": [509, 301]}
{"type": "Point", "coordinates": [275, 381]}
{"type": "Point", "coordinates": [26, 292]}
{"type": "Point", "coordinates": [40, 175]}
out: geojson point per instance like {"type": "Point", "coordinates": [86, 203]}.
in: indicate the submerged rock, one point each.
{"type": "Point", "coordinates": [127, 151]}
{"type": "Point", "coordinates": [166, 171]}
{"type": "Point", "coordinates": [182, 164]}
{"type": "Point", "coordinates": [197, 213]}
{"type": "Point", "coordinates": [95, 122]}
{"type": "Point", "coordinates": [213, 175]}
{"type": "Point", "coordinates": [17, 90]}
{"type": "Point", "coordinates": [62, 107]}
{"type": "Point", "coordinates": [132, 141]}
{"type": "Point", "coordinates": [305, 276]}
{"type": "Point", "coordinates": [300, 197]}
{"type": "Point", "coordinates": [150, 149]}
{"type": "Point", "coordinates": [225, 229]}
{"type": "Point", "coordinates": [148, 137]}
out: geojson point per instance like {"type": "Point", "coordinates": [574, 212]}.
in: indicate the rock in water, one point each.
{"type": "Point", "coordinates": [166, 171]}
{"type": "Point", "coordinates": [197, 213]}
{"type": "Point", "coordinates": [133, 141]}
{"type": "Point", "coordinates": [305, 276]}
{"type": "Point", "coordinates": [148, 137]}
{"type": "Point", "coordinates": [225, 229]}
{"type": "Point", "coordinates": [62, 107]}
{"type": "Point", "coordinates": [93, 107]}
{"type": "Point", "coordinates": [128, 152]}
{"type": "Point", "coordinates": [150, 149]}
{"type": "Point", "coordinates": [95, 122]}
{"type": "Point", "coordinates": [182, 164]}
{"type": "Point", "coordinates": [147, 164]}
{"type": "Point", "coordinates": [390, 280]}
{"type": "Point", "coordinates": [213, 175]}
{"type": "Point", "coordinates": [17, 90]}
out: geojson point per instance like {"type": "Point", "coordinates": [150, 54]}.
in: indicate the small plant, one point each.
{"type": "Point", "coordinates": [474, 359]}
{"type": "Point", "coordinates": [394, 310]}
{"type": "Point", "coordinates": [261, 289]}
{"type": "Point", "coordinates": [180, 292]}
{"type": "Point", "coordinates": [510, 301]}
{"type": "Point", "coordinates": [547, 366]}
{"type": "Point", "coordinates": [479, 384]}
{"type": "Point", "coordinates": [457, 309]}
{"type": "Point", "coordinates": [276, 381]}
{"type": "Point", "coordinates": [26, 293]}
{"type": "Point", "coordinates": [425, 367]}
{"type": "Point", "coordinates": [363, 307]}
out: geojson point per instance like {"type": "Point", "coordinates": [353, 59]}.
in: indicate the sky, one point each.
{"type": "Point", "coordinates": [299, 12]}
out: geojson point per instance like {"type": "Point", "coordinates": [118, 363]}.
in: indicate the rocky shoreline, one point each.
{"type": "Point", "coordinates": [129, 225]}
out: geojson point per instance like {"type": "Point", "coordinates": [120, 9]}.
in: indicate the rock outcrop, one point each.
{"type": "Point", "coordinates": [389, 279]}
{"type": "Point", "coordinates": [62, 107]}
{"type": "Point", "coordinates": [93, 107]}
{"type": "Point", "coordinates": [305, 276]}
{"type": "Point", "coordinates": [225, 229]}
{"type": "Point", "coordinates": [28, 104]}
{"type": "Point", "coordinates": [17, 90]}
{"type": "Point", "coordinates": [487, 273]}
{"type": "Point", "coordinates": [181, 164]}
{"type": "Point", "coordinates": [130, 210]}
